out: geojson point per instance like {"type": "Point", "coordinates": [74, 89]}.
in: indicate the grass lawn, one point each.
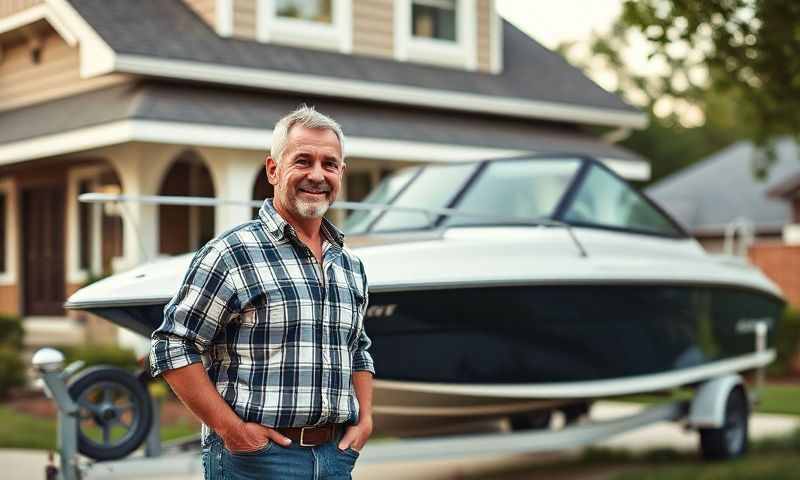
{"type": "Point", "coordinates": [782, 399]}
{"type": "Point", "coordinates": [772, 459]}
{"type": "Point", "coordinates": [754, 467]}
{"type": "Point", "coordinates": [20, 430]}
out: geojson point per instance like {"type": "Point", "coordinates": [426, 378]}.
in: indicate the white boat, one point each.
{"type": "Point", "coordinates": [513, 288]}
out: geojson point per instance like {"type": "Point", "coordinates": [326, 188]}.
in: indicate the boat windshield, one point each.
{"type": "Point", "coordinates": [507, 188]}
{"type": "Point", "coordinates": [603, 200]}
{"type": "Point", "coordinates": [530, 189]}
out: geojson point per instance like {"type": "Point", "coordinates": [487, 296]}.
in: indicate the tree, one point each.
{"type": "Point", "coordinates": [747, 50]}
{"type": "Point", "coordinates": [707, 82]}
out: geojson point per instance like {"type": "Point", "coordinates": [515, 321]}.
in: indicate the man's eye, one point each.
{"type": "Point", "coordinates": [301, 161]}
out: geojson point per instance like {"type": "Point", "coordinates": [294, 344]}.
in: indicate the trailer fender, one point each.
{"type": "Point", "coordinates": [708, 405]}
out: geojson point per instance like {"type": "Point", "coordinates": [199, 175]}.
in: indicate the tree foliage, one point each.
{"type": "Point", "coordinates": [747, 50]}
{"type": "Point", "coordinates": [733, 64]}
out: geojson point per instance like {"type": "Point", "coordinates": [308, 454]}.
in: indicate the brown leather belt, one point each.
{"type": "Point", "coordinates": [310, 436]}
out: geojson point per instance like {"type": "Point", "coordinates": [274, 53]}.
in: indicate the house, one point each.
{"type": "Point", "coordinates": [179, 97]}
{"type": "Point", "coordinates": [721, 192]}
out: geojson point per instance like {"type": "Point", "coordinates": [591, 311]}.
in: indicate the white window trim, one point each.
{"type": "Point", "coordinates": [496, 34]}
{"type": "Point", "coordinates": [463, 53]}
{"type": "Point", "coordinates": [337, 36]}
{"type": "Point", "coordinates": [9, 277]}
{"type": "Point", "coordinates": [224, 18]}
{"type": "Point", "coordinates": [75, 274]}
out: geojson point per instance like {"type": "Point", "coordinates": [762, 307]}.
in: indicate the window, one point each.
{"type": "Point", "coordinates": [385, 192]}
{"type": "Point", "coordinates": [440, 32]}
{"type": "Point", "coordinates": [517, 188]}
{"type": "Point", "coordinates": [310, 10]}
{"type": "Point", "coordinates": [319, 24]}
{"type": "Point", "coordinates": [605, 200]}
{"type": "Point", "coordinates": [85, 229]}
{"type": "Point", "coordinates": [434, 19]}
{"type": "Point", "coordinates": [435, 187]}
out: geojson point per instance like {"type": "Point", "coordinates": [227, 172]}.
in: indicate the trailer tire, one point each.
{"type": "Point", "coordinates": [531, 421]}
{"type": "Point", "coordinates": [730, 440]}
{"type": "Point", "coordinates": [124, 409]}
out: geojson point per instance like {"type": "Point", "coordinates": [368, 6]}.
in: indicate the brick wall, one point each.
{"type": "Point", "coordinates": [781, 263]}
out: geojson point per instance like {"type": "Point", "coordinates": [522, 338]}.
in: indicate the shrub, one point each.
{"type": "Point", "coordinates": [102, 355]}
{"type": "Point", "coordinates": [11, 332]}
{"type": "Point", "coordinates": [12, 370]}
{"type": "Point", "coordinates": [787, 341]}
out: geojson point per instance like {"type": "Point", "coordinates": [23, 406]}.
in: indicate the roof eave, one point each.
{"type": "Point", "coordinates": [363, 90]}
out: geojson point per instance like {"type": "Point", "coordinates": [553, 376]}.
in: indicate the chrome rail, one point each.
{"type": "Point", "coordinates": [430, 213]}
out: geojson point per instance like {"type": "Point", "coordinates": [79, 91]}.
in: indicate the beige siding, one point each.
{"type": "Point", "coordinates": [205, 8]}
{"type": "Point", "coordinates": [10, 7]}
{"type": "Point", "coordinates": [22, 82]}
{"type": "Point", "coordinates": [373, 28]}
{"type": "Point", "coordinates": [244, 18]}
{"type": "Point", "coordinates": [484, 34]}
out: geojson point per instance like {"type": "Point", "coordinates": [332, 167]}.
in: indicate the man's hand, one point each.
{"type": "Point", "coordinates": [355, 436]}
{"type": "Point", "coordinates": [249, 437]}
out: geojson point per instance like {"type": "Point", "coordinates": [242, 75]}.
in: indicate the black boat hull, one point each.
{"type": "Point", "coordinates": [552, 334]}
{"type": "Point", "coordinates": [544, 334]}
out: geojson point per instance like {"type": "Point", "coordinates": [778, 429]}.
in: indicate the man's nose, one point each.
{"type": "Point", "coordinates": [316, 174]}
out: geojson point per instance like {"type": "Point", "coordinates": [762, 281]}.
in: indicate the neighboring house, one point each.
{"type": "Point", "coordinates": [781, 261]}
{"type": "Point", "coordinates": [721, 191]}
{"type": "Point", "coordinates": [179, 98]}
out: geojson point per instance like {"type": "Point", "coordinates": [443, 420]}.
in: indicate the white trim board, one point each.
{"type": "Point", "coordinates": [360, 89]}
{"type": "Point", "coordinates": [257, 139]}
{"type": "Point", "coordinates": [124, 131]}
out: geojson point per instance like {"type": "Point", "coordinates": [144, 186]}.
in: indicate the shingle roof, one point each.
{"type": "Point", "coordinates": [168, 29]}
{"type": "Point", "coordinates": [222, 106]}
{"type": "Point", "coordinates": [710, 194]}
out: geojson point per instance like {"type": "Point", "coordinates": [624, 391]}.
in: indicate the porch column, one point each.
{"type": "Point", "coordinates": [140, 169]}
{"type": "Point", "coordinates": [234, 174]}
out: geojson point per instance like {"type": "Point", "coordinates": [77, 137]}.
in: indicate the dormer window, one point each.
{"type": "Point", "coordinates": [439, 32]}
{"type": "Point", "coordinates": [320, 24]}
{"type": "Point", "coordinates": [434, 19]}
{"type": "Point", "coordinates": [320, 11]}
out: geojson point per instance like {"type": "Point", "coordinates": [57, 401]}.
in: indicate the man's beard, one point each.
{"type": "Point", "coordinates": [312, 209]}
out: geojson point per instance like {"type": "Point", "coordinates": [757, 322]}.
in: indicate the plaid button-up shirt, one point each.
{"type": "Point", "coordinates": [281, 335]}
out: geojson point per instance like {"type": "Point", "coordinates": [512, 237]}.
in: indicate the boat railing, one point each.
{"type": "Point", "coordinates": [746, 230]}
{"type": "Point", "coordinates": [430, 213]}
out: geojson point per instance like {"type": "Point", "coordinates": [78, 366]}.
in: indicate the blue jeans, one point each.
{"type": "Point", "coordinates": [324, 461]}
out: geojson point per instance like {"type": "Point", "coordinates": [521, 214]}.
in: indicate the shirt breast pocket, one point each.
{"type": "Point", "coordinates": [268, 307]}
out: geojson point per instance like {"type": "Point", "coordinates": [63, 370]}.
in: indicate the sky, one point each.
{"type": "Point", "coordinates": [551, 22]}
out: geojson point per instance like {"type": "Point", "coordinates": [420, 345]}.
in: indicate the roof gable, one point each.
{"type": "Point", "coordinates": [714, 192]}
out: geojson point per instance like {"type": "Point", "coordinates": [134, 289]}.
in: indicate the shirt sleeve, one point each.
{"type": "Point", "coordinates": [205, 301]}
{"type": "Point", "coordinates": [362, 360]}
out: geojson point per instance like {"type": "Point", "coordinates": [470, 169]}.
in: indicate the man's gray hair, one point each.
{"type": "Point", "coordinates": [307, 117]}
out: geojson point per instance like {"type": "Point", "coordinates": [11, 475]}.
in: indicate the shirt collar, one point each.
{"type": "Point", "coordinates": [279, 228]}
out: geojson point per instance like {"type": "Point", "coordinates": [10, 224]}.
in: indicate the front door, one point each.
{"type": "Point", "coordinates": [43, 249]}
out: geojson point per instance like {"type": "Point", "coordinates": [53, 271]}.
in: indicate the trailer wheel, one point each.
{"type": "Point", "coordinates": [531, 421]}
{"type": "Point", "coordinates": [115, 412]}
{"type": "Point", "coordinates": [731, 439]}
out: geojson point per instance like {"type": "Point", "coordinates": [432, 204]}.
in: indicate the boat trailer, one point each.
{"type": "Point", "coordinates": [719, 409]}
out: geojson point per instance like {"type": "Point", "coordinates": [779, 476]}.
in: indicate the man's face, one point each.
{"type": "Point", "coordinates": [308, 177]}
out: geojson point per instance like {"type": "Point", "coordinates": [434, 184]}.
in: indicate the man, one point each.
{"type": "Point", "coordinates": [276, 306]}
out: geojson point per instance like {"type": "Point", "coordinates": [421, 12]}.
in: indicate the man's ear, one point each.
{"type": "Point", "coordinates": [272, 170]}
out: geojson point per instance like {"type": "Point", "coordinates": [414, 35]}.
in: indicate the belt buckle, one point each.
{"type": "Point", "coordinates": [302, 441]}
